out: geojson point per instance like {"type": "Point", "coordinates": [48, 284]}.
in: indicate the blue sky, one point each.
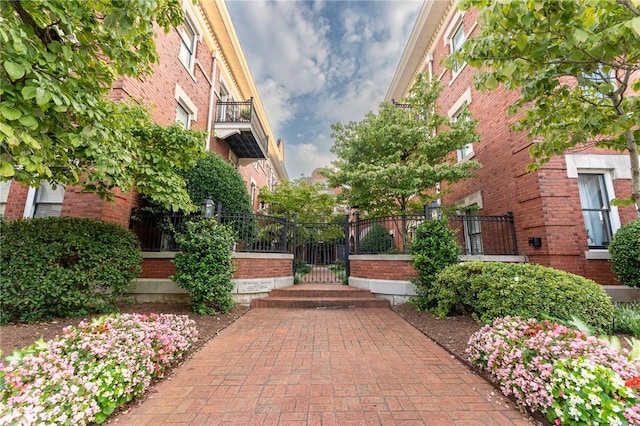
{"type": "Point", "coordinates": [316, 63]}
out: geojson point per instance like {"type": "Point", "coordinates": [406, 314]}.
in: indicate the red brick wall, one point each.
{"type": "Point", "coordinates": [244, 268]}
{"type": "Point", "coordinates": [544, 203]}
{"type": "Point", "coordinates": [262, 268]}
{"type": "Point", "coordinates": [397, 270]}
{"type": "Point", "coordinates": [16, 201]}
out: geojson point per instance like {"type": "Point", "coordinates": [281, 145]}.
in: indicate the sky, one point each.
{"type": "Point", "coordinates": [316, 63]}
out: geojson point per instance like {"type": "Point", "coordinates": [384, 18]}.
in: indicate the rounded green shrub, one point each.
{"type": "Point", "coordinates": [63, 266]}
{"type": "Point", "coordinates": [214, 177]}
{"type": "Point", "coordinates": [204, 265]}
{"type": "Point", "coordinates": [625, 254]}
{"type": "Point", "coordinates": [433, 248]}
{"type": "Point", "coordinates": [489, 290]}
{"type": "Point", "coordinates": [376, 240]}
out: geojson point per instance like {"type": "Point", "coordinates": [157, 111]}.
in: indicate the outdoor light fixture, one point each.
{"type": "Point", "coordinates": [207, 208]}
{"type": "Point", "coordinates": [433, 210]}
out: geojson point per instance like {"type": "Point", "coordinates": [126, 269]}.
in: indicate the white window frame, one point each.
{"type": "Point", "coordinates": [5, 187]}
{"type": "Point", "coordinates": [189, 43]}
{"type": "Point", "coordinates": [466, 153]}
{"type": "Point", "coordinates": [472, 228]}
{"type": "Point", "coordinates": [455, 26]}
{"type": "Point", "coordinates": [32, 199]}
{"type": "Point", "coordinates": [614, 217]}
{"type": "Point", "coordinates": [184, 101]}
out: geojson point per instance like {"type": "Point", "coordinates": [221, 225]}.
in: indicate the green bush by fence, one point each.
{"type": "Point", "coordinates": [63, 266]}
{"type": "Point", "coordinates": [625, 254]}
{"type": "Point", "coordinates": [204, 266]}
{"type": "Point", "coordinates": [489, 290]}
{"type": "Point", "coordinates": [376, 240]}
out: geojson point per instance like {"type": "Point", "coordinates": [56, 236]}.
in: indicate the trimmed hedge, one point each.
{"type": "Point", "coordinates": [63, 266]}
{"type": "Point", "coordinates": [490, 290]}
{"type": "Point", "coordinates": [376, 240]}
{"type": "Point", "coordinates": [205, 266]}
{"type": "Point", "coordinates": [625, 254]}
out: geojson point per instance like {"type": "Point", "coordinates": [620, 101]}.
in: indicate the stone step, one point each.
{"type": "Point", "coordinates": [315, 303]}
{"type": "Point", "coordinates": [313, 296]}
{"type": "Point", "coordinates": [328, 291]}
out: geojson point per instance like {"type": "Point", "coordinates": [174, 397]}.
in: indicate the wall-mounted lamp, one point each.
{"type": "Point", "coordinates": [535, 241]}
{"type": "Point", "coordinates": [207, 208]}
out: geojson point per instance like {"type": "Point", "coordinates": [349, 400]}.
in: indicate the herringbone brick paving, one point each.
{"type": "Point", "coordinates": [323, 367]}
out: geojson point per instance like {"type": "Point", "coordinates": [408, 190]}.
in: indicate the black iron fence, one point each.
{"type": "Point", "coordinates": [476, 235]}
{"type": "Point", "coordinates": [254, 232]}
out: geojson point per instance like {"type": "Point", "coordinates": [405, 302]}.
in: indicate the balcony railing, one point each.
{"type": "Point", "coordinates": [239, 125]}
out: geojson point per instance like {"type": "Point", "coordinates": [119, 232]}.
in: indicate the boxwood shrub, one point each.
{"type": "Point", "coordinates": [489, 290]}
{"type": "Point", "coordinates": [376, 240]}
{"type": "Point", "coordinates": [625, 254]}
{"type": "Point", "coordinates": [64, 266]}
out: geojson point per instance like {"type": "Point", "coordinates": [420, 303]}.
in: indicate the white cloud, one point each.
{"type": "Point", "coordinates": [303, 158]}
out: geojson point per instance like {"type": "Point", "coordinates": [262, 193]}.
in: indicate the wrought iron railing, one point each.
{"type": "Point", "coordinates": [242, 112]}
{"type": "Point", "coordinates": [476, 235]}
{"type": "Point", "coordinates": [254, 232]}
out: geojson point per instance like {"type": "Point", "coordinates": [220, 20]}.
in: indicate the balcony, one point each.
{"type": "Point", "coordinates": [239, 126]}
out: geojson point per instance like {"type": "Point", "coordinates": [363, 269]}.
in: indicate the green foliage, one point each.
{"type": "Point", "coordinates": [376, 240]}
{"type": "Point", "coordinates": [397, 155]}
{"type": "Point", "coordinates": [433, 248]}
{"type": "Point", "coordinates": [204, 266]}
{"type": "Point", "coordinates": [59, 61]}
{"type": "Point", "coordinates": [625, 254]}
{"type": "Point", "coordinates": [626, 318]}
{"type": "Point", "coordinates": [300, 197]}
{"type": "Point", "coordinates": [62, 266]}
{"type": "Point", "coordinates": [489, 290]}
{"type": "Point", "coordinates": [214, 177]}
{"type": "Point", "coordinates": [561, 56]}
{"type": "Point", "coordinates": [300, 266]}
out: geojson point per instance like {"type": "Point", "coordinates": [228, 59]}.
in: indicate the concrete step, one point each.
{"type": "Point", "coordinates": [315, 303]}
{"type": "Point", "coordinates": [313, 296]}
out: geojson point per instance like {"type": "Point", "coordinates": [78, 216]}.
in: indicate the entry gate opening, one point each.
{"type": "Point", "coordinates": [321, 253]}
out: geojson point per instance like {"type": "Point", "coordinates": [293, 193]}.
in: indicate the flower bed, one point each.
{"type": "Point", "coordinates": [82, 376]}
{"type": "Point", "coordinates": [567, 375]}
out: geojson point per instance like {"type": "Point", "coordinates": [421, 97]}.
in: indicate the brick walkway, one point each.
{"type": "Point", "coordinates": [323, 367]}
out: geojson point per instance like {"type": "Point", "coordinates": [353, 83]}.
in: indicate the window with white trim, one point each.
{"type": "Point", "coordinates": [455, 37]}
{"type": "Point", "coordinates": [4, 195]}
{"type": "Point", "coordinates": [598, 84]}
{"type": "Point", "coordinates": [48, 201]}
{"type": "Point", "coordinates": [466, 152]}
{"type": "Point", "coordinates": [183, 116]}
{"type": "Point", "coordinates": [472, 230]}
{"type": "Point", "coordinates": [457, 40]}
{"type": "Point", "coordinates": [596, 211]}
{"type": "Point", "coordinates": [455, 112]}
{"type": "Point", "coordinates": [188, 43]}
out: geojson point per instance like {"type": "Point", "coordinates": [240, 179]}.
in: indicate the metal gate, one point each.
{"type": "Point", "coordinates": [321, 254]}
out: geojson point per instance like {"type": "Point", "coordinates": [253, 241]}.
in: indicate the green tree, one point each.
{"type": "Point", "coordinates": [213, 176]}
{"type": "Point", "coordinates": [576, 64]}
{"type": "Point", "coordinates": [58, 61]}
{"type": "Point", "coordinates": [400, 154]}
{"type": "Point", "coordinates": [299, 197]}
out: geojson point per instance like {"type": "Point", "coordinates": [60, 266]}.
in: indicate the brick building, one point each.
{"type": "Point", "coordinates": [203, 81]}
{"type": "Point", "coordinates": [565, 206]}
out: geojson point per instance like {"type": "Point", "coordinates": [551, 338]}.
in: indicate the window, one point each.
{"type": "Point", "coordinates": [186, 111]}
{"type": "Point", "coordinates": [48, 201]}
{"type": "Point", "coordinates": [595, 209]}
{"type": "Point", "coordinates": [455, 112]}
{"type": "Point", "coordinates": [188, 41]}
{"type": "Point", "coordinates": [456, 44]}
{"type": "Point", "coordinates": [183, 116]}
{"type": "Point", "coordinates": [4, 195]}
{"type": "Point", "coordinates": [472, 231]}
{"type": "Point", "coordinates": [466, 152]}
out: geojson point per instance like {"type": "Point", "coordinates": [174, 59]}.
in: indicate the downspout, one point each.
{"type": "Point", "coordinates": [430, 65]}
{"type": "Point", "coordinates": [212, 94]}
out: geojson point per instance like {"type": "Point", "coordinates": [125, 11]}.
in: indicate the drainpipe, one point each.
{"type": "Point", "coordinates": [430, 65]}
{"type": "Point", "coordinates": [212, 94]}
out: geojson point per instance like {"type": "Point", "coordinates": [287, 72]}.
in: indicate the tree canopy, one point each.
{"type": "Point", "coordinates": [299, 197]}
{"type": "Point", "coordinates": [58, 61]}
{"type": "Point", "coordinates": [394, 159]}
{"type": "Point", "coordinates": [577, 66]}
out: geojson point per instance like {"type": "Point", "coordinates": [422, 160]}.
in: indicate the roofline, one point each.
{"type": "Point", "coordinates": [425, 28]}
